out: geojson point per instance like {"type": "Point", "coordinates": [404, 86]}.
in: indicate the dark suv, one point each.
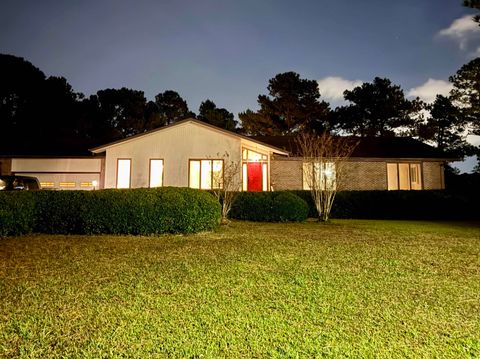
{"type": "Point", "coordinates": [18, 183]}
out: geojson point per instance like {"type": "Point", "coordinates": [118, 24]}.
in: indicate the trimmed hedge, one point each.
{"type": "Point", "coordinates": [184, 210]}
{"type": "Point", "coordinates": [426, 205]}
{"type": "Point", "coordinates": [269, 207]}
{"type": "Point", "coordinates": [17, 213]}
{"type": "Point", "coordinates": [133, 211]}
{"type": "Point", "coordinates": [422, 205]}
{"type": "Point", "coordinates": [152, 211]}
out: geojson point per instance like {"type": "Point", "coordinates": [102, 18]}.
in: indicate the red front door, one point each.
{"type": "Point", "coordinates": [254, 176]}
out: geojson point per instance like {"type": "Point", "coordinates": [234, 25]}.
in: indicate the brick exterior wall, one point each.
{"type": "Point", "coordinates": [286, 174]}
{"type": "Point", "coordinates": [364, 176]}
{"type": "Point", "coordinates": [358, 175]}
{"type": "Point", "coordinates": [433, 175]}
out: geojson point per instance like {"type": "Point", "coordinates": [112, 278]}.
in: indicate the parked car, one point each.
{"type": "Point", "coordinates": [19, 183]}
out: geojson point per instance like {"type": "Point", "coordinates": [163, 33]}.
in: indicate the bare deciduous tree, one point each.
{"type": "Point", "coordinates": [226, 184]}
{"type": "Point", "coordinates": [324, 167]}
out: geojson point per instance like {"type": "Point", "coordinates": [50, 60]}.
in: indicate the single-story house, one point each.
{"type": "Point", "coordinates": [191, 153]}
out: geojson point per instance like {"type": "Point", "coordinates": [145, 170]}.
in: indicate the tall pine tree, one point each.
{"type": "Point", "coordinates": [293, 104]}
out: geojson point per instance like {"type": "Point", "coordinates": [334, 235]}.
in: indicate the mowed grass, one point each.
{"type": "Point", "coordinates": [357, 289]}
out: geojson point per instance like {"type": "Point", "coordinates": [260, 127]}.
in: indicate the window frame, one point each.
{"type": "Point", "coordinates": [211, 160]}
{"type": "Point", "coordinates": [264, 160]}
{"type": "Point", "coordinates": [409, 164]}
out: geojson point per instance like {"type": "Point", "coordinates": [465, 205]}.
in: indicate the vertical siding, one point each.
{"type": "Point", "coordinates": [175, 145]}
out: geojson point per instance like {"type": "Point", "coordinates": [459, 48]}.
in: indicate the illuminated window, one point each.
{"type": "Point", "coordinates": [67, 184]}
{"type": "Point", "coordinates": [264, 177]}
{"type": "Point", "coordinates": [319, 175]}
{"type": "Point", "coordinates": [404, 176]}
{"type": "Point", "coordinates": [47, 184]}
{"type": "Point", "coordinates": [206, 174]}
{"type": "Point", "coordinates": [86, 184]}
{"type": "Point", "coordinates": [249, 155]}
{"type": "Point", "coordinates": [217, 173]}
{"type": "Point", "coordinates": [244, 176]}
{"type": "Point", "coordinates": [123, 173]}
{"type": "Point", "coordinates": [156, 173]}
{"type": "Point", "coordinates": [194, 181]}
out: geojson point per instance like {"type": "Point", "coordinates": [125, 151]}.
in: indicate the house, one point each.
{"type": "Point", "coordinates": [191, 153]}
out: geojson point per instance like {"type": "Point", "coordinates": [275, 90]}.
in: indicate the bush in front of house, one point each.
{"type": "Point", "coordinates": [252, 206]}
{"type": "Point", "coordinates": [407, 205]}
{"type": "Point", "coordinates": [151, 211]}
{"type": "Point", "coordinates": [269, 207]}
{"type": "Point", "coordinates": [60, 212]}
{"type": "Point", "coordinates": [148, 211]}
{"type": "Point", "coordinates": [17, 213]}
{"type": "Point", "coordinates": [113, 211]}
{"type": "Point", "coordinates": [289, 207]}
{"type": "Point", "coordinates": [430, 204]}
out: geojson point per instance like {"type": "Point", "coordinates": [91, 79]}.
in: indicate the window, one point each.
{"type": "Point", "coordinates": [156, 173]}
{"type": "Point", "coordinates": [123, 173]}
{"type": "Point", "coordinates": [47, 184]}
{"type": "Point", "coordinates": [205, 174]}
{"type": "Point", "coordinates": [67, 184]}
{"type": "Point", "coordinates": [249, 155]}
{"type": "Point", "coordinates": [319, 175]}
{"type": "Point", "coordinates": [404, 176]}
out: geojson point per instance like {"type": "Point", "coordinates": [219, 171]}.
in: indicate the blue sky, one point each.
{"type": "Point", "coordinates": [228, 50]}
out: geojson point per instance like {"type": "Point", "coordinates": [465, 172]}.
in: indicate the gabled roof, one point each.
{"type": "Point", "coordinates": [372, 147]}
{"type": "Point", "coordinates": [102, 148]}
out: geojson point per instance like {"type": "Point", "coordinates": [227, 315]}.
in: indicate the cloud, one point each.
{"type": "Point", "coordinates": [430, 89]}
{"type": "Point", "coordinates": [462, 30]}
{"type": "Point", "coordinates": [332, 87]}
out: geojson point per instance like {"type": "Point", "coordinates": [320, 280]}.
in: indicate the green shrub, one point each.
{"type": "Point", "coordinates": [289, 207]}
{"type": "Point", "coordinates": [269, 207]}
{"type": "Point", "coordinates": [252, 206]}
{"type": "Point", "coordinates": [307, 197]}
{"type": "Point", "coordinates": [150, 211]}
{"type": "Point", "coordinates": [439, 204]}
{"type": "Point", "coordinates": [17, 213]}
{"type": "Point", "coordinates": [60, 212]}
{"type": "Point", "coordinates": [133, 211]}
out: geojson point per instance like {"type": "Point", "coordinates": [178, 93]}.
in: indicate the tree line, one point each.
{"type": "Point", "coordinates": [40, 114]}
{"type": "Point", "coordinates": [44, 114]}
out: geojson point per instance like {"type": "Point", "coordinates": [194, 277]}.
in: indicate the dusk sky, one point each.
{"type": "Point", "coordinates": [228, 50]}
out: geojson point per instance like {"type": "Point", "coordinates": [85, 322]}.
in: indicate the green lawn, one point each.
{"type": "Point", "coordinates": [357, 289]}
